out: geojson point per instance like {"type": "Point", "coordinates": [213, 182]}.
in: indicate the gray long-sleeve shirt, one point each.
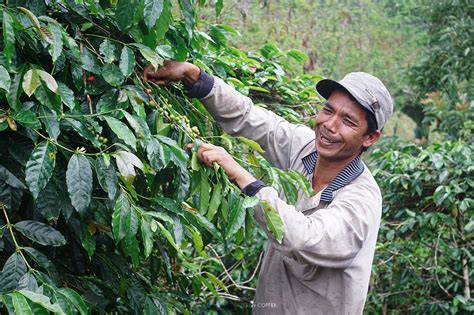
{"type": "Point", "coordinates": [324, 262]}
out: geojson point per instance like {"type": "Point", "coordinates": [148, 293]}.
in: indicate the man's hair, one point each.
{"type": "Point", "coordinates": [371, 124]}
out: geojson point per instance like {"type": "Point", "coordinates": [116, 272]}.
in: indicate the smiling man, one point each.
{"type": "Point", "coordinates": [323, 264]}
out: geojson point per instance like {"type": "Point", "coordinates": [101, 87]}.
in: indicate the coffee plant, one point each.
{"type": "Point", "coordinates": [101, 207]}
{"type": "Point", "coordinates": [424, 261]}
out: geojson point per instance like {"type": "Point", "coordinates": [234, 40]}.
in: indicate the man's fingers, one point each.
{"type": "Point", "coordinates": [211, 156]}
{"type": "Point", "coordinates": [149, 72]}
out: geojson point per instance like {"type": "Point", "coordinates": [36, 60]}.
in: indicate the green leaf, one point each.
{"type": "Point", "coordinates": [12, 272]}
{"type": "Point", "coordinates": [49, 80]}
{"type": "Point", "coordinates": [36, 24]}
{"type": "Point", "coordinates": [138, 125]}
{"type": "Point", "coordinates": [27, 118]}
{"type": "Point", "coordinates": [122, 131]}
{"type": "Point", "coordinates": [205, 223]}
{"type": "Point", "coordinates": [107, 49]}
{"type": "Point", "coordinates": [188, 12]}
{"type": "Point", "coordinates": [168, 236]}
{"type": "Point", "coordinates": [10, 179]}
{"type": "Point", "coordinates": [7, 301]}
{"type": "Point", "coordinates": [155, 154]}
{"type": "Point", "coordinates": [40, 233]}
{"type": "Point", "coordinates": [210, 286]}
{"type": "Point", "coordinates": [20, 304]}
{"type": "Point", "coordinates": [126, 162]}
{"type": "Point", "coordinates": [154, 307]}
{"type": "Point", "coordinates": [219, 6]}
{"type": "Point", "coordinates": [67, 95]}
{"type": "Point", "coordinates": [252, 144]}
{"type": "Point", "coordinates": [87, 240]}
{"type": "Point", "coordinates": [204, 195]}
{"type": "Point", "coordinates": [13, 95]}
{"type": "Point", "coordinates": [40, 166]}
{"type": "Point", "coordinates": [28, 282]}
{"type": "Point", "coordinates": [48, 98]}
{"type": "Point", "coordinates": [127, 61]}
{"type": "Point", "coordinates": [30, 82]}
{"type": "Point", "coordinates": [164, 22]}
{"type": "Point", "coordinates": [197, 241]}
{"type": "Point", "coordinates": [152, 11]}
{"type": "Point", "coordinates": [43, 262]}
{"type": "Point", "coordinates": [42, 300]}
{"type": "Point", "coordinates": [274, 222]}
{"type": "Point", "coordinates": [50, 122]}
{"type": "Point", "coordinates": [216, 200]}
{"type": "Point", "coordinates": [81, 127]}
{"type": "Point", "coordinates": [79, 182]}
{"type": "Point", "coordinates": [74, 298]}
{"type": "Point", "coordinates": [72, 45]}
{"type": "Point", "coordinates": [303, 183]}
{"type": "Point", "coordinates": [259, 89]}
{"type": "Point", "coordinates": [5, 80]}
{"type": "Point", "coordinates": [236, 218]}
{"type": "Point", "coordinates": [289, 188]}
{"type": "Point", "coordinates": [216, 281]}
{"type": "Point", "coordinates": [124, 219]}
{"type": "Point", "coordinates": [89, 62]}
{"type": "Point", "coordinates": [56, 48]}
{"type": "Point", "coordinates": [107, 176]}
{"type": "Point", "coordinates": [150, 55]}
{"type": "Point", "coordinates": [147, 235]}
{"type": "Point", "coordinates": [124, 12]}
{"type": "Point", "coordinates": [299, 56]}
{"type": "Point", "coordinates": [178, 155]}
{"type": "Point", "coordinates": [112, 75]}
{"type": "Point", "coordinates": [250, 202]}
{"type": "Point", "coordinates": [48, 202]}
{"type": "Point", "coordinates": [8, 37]}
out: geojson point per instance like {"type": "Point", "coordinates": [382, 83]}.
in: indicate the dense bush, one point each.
{"type": "Point", "coordinates": [102, 210]}
{"type": "Point", "coordinates": [424, 261]}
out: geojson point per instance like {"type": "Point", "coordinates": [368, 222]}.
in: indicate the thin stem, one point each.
{"type": "Point", "coordinates": [81, 116]}
{"type": "Point", "coordinates": [56, 143]}
{"type": "Point", "coordinates": [105, 37]}
{"type": "Point", "coordinates": [10, 229]}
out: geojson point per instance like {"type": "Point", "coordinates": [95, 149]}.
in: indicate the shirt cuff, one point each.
{"type": "Point", "coordinates": [202, 86]}
{"type": "Point", "coordinates": [253, 188]}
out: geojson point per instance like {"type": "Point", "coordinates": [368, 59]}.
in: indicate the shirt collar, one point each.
{"type": "Point", "coordinates": [347, 175]}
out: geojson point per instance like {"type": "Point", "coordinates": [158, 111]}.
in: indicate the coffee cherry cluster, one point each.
{"type": "Point", "coordinates": [103, 140]}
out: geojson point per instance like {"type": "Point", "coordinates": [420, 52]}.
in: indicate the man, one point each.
{"type": "Point", "coordinates": [323, 264]}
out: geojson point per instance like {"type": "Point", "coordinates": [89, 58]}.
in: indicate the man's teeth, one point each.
{"type": "Point", "coordinates": [328, 140]}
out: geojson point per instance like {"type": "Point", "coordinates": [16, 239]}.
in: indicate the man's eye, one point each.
{"type": "Point", "coordinates": [349, 122]}
{"type": "Point", "coordinates": [327, 110]}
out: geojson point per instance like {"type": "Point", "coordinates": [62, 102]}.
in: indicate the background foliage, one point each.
{"type": "Point", "coordinates": [103, 211]}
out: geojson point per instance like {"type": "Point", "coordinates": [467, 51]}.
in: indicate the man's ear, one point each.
{"type": "Point", "coordinates": [371, 139]}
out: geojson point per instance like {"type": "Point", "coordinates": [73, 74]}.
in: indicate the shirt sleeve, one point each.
{"type": "Point", "coordinates": [238, 116]}
{"type": "Point", "coordinates": [329, 237]}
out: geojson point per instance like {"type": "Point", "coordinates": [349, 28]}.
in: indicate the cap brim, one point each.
{"type": "Point", "coordinates": [325, 87]}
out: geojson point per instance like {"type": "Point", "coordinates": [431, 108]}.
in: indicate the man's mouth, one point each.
{"type": "Point", "coordinates": [328, 140]}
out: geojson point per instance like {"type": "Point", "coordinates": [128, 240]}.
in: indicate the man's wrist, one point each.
{"type": "Point", "coordinates": [191, 76]}
{"type": "Point", "coordinates": [201, 87]}
{"type": "Point", "coordinates": [253, 188]}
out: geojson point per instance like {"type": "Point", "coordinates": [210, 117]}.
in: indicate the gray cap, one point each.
{"type": "Point", "coordinates": [368, 91]}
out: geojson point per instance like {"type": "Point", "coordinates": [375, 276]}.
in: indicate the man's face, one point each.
{"type": "Point", "coordinates": [341, 129]}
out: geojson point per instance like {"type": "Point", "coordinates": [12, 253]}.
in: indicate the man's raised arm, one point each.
{"type": "Point", "coordinates": [236, 113]}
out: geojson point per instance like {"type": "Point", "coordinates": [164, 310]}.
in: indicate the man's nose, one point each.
{"type": "Point", "coordinates": [331, 123]}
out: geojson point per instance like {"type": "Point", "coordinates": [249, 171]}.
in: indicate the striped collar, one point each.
{"type": "Point", "coordinates": [347, 175]}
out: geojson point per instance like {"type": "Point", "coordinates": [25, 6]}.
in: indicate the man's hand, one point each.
{"type": "Point", "coordinates": [208, 154]}
{"type": "Point", "coordinates": [172, 71]}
